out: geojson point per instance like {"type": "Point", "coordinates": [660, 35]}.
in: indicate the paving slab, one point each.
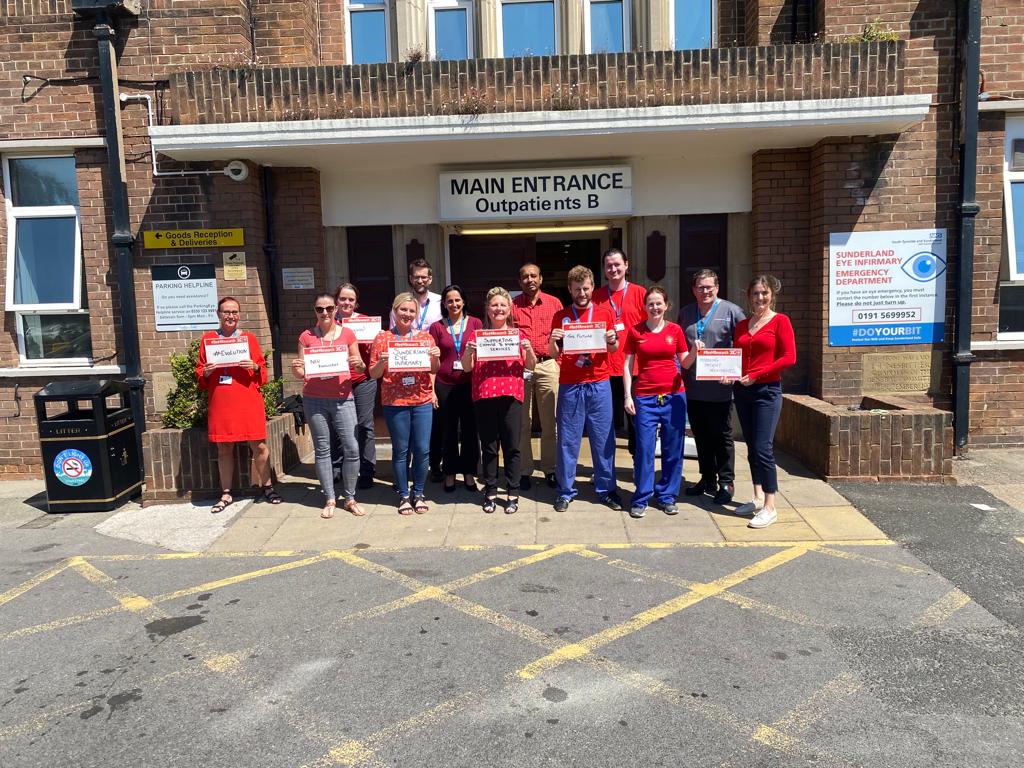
{"type": "Point", "coordinates": [794, 531]}
{"type": "Point", "coordinates": [491, 529]}
{"type": "Point", "coordinates": [840, 523]}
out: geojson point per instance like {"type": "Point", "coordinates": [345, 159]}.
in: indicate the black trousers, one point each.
{"type": "Point", "coordinates": [622, 420]}
{"type": "Point", "coordinates": [498, 420]}
{"type": "Point", "coordinates": [460, 448]}
{"type": "Point", "coordinates": [711, 424]}
{"type": "Point", "coordinates": [436, 441]}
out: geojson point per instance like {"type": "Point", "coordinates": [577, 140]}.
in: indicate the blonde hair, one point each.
{"type": "Point", "coordinates": [580, 274]}
{"type": "Point", "coordinates": [499, 291]}
{"type": "Point", "coordinates": [401, 299]}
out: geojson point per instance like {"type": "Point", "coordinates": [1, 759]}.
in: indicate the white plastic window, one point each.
{"type": "Point", "coordinates": [369, 31]}
{"type": "Point", "coordinates": [450, 28]}
{"type": "Point", "coordinates": [606, 25]}
{"type": "Point", "coordinates": [528, 28]}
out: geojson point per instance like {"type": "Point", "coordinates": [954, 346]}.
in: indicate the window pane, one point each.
{"type": "Point", "coordinates": [44, 268]}
{"type": "Point", "coordinates": [43, 181]}
{"type": "Point", "coordinates": [606, 27]}
{"type": "Point", "coordinates": [1017, 201]}
{"type": "Point", "coordinates": [693, 24]}
{"type": "Point", "coordinates": [528, 29]}
{"type": "Point", "coordinates": [369, 40]}
{"type": "Point", "coordinates": [1011, 309]}
{"type": "Point", "coordinates": [54, 336]}
{"type": "Point", "coordinates": [451, 33]}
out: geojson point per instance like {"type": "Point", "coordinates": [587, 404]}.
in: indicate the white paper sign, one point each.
{"type": "Point", "coordinates": [364, 328]}
{"type": "Point", "coordinates": [715, 364]}
{"type": "Point", "coordinates": [297, 278]}
{"type": "Point", "coordinates": [325, 362]}
{"type": "Point", "coordinates": [226, 352]}
{"type": "Point", "coordinates": [497, 345]}
{"type": "Point", "coordinates": [583, 338]}
{"type": "Point", "coordinates": [185, 297]}
{"type": "Point", "coordinates": [408, 356]}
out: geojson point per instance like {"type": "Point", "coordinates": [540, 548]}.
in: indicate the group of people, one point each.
{"type": "Point", "coordinates": [452, 405]}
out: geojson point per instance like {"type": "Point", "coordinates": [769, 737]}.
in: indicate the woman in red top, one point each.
{"type": "Point", "coordinates": [656, 398]}
{"type": "Point", "coordinates": [364, 390]}
{"type": "Point", "coordinates": [498, 389]}
{"type": "Point", "coordinates": [236, 411]}
{"type": "Point", "coordinates": [327, 401]}
{"type": "Point", "coordinates": [769, 347]}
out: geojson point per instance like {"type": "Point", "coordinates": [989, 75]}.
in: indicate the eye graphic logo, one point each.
{"type": "Point", "coordinates": [924, 266]}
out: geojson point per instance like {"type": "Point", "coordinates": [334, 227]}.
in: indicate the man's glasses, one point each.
{"type": "Point", "coordinates": [705, 288]}
{"type": "Point", "coordinates": [324, 310]}
{"type": "Point", "coordinates": [230, 312]}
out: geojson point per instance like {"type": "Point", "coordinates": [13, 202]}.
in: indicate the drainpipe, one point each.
{"type": "Point", "coordinates": [270, 251]}
{"type": "Point", "coordinates": [969, 209]}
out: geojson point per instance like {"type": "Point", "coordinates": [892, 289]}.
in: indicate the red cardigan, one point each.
{"type": "Point", "coordinates": [770, 351]}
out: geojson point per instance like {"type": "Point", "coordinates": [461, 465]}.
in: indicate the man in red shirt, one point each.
{"type": "Point", "coordinates": [532, 311]}
{"type": "Point", "coordinates": [626, 302]}
{"type": "Point", "coordinates": [584, 395]}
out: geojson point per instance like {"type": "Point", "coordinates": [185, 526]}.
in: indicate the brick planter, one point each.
{"type": "Point", "coordinates": [900, 440]}
{"type": "Point", "coordinates": [181, 464]}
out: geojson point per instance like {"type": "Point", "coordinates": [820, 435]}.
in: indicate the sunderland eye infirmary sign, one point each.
{"type": "Point", "coordinates": [542, 193]}
{"type": "Point", "coordinates": [192, 238]}
{"type": "Point", "coordinates": [887, 287]}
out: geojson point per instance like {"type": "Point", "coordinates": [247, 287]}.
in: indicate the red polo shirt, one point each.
{"type": "Point", "coordinates": [534, 320]}
{"type": "Point", "coordinates": [627, 308]}
{"type": "Point", "coordinates": [571, 373]}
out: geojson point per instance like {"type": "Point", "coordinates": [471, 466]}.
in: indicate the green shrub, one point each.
{"type": "Point", "coordinates": [874, 31]}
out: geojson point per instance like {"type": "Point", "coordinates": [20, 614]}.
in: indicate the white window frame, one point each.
{"type": "Point", "coordinates": [13, 214]}
{"type": "Point", "coordinates": [627, 26]}
{"type": "Point", "coordinates": [447, 5]}
{"type": "Point", "coordinates": [672, 24]}
{"type": "Point", "coordinates": [1014, 132]}
{"type": "Point", "coordinates": [556, 4]}
{"type": "Point", "coordinates": [355, 6]}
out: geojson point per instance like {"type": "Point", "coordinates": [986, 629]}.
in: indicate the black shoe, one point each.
{"type": "Point", "coordinates": [561, 504]}
{"type": "Point", "coordinates": [365, 482]}
{"type": "Point", "coordinates": [612, 501]}
{"type": "Point", "coordinates": [699, 489]}
{"type": "Point", "coordinates": [552, 480]}
{"type": "Point", "coordinates": [525, 483]}
{"type": "Point", "coordinates": [724, 494]}
{"type": "Point", "coordinates": [436, 476]}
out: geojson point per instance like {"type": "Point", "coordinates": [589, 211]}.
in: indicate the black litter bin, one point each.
{"type": "Point", "coordinates": [90, 456]}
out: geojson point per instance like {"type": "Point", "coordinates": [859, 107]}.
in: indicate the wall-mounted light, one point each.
{"type": "Point", "coordinates": [534, 230]}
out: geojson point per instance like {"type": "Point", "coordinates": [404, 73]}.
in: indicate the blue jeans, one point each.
{"type": "Point", "coordinates": [669, 413]}
{"type": "Point", "coordinates": [324, 416]}
{"type": "Point", "coordinates": [585, 405]}
{"type": "Point", "coordinates": [409, 426]}
{"type": "Point", "coordinates": [758, 408]}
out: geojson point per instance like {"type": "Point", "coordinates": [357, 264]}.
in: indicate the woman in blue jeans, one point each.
{"type": "Point", "coordinates": [327, 401]}
{"type": "Point", "coordinates": [407, 394]}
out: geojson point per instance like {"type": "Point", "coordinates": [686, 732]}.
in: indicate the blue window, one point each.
{"type": "Point", "coordinates": [692, 25]}
{"type": "Point", "coordinates": [528, 28]}
{"type": "Point", "coordinates": [1017, 217]}
{"type": "Point", "coordinates": [368, 31]}
{"type": "Point", "coordinates": [451, 25]}
{"type": "Point", "coordinates": [609, 28]}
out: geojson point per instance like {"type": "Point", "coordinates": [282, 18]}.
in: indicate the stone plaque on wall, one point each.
{"type": "Point", "coordinates": [901, 371]}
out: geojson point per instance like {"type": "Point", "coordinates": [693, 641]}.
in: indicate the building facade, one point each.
{"type": "Point", "coordinates": [748, 136]}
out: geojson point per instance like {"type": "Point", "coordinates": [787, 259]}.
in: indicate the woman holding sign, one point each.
{"type": "Point", "coordinates": [460, 448]}
{"type": "Point", "coordinates": [364, 388]}
{"type": "Point", "coordinates": [657, 398]}
{"type": "Point", "coordinates": [232, 369]}
{"type": "Point", "coordinates": [405, 360]}
{"type": "Point", "coordinates": [497, 358]}
{"type": "Point", "coordinates": [328, 356]}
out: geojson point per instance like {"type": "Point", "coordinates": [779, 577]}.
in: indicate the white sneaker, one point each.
{"type": "Point", "coordinates": [763, 519]}
{"type": "Point", "coordinates": [752, 506]}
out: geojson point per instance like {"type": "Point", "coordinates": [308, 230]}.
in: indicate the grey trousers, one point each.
{"type": "Point", "coordinates": [324, 415]}
{"type": "Point", "coordinates": [365, 393]}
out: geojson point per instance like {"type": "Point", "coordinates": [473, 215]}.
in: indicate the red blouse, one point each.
{"type": "Point", "coordinates": [769, 351]}
{"type": "Point", "coordinates": [499, 378]}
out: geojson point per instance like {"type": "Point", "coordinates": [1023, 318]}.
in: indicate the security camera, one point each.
{"type": "Point", "coordinates": [236, 170]}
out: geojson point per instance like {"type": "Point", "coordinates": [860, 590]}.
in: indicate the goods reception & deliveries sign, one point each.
{"type": "Point", "coordinates": [887, 287]}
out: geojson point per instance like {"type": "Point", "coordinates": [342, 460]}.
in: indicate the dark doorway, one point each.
{"type": "Point", "coordinates": [480, 262]}
{"type": "Point", "coordinates": [556, 257]}
{"type": "Point", "coordinates": [371, 267]}
{"type": "Point", "coordinates": [702, 245]}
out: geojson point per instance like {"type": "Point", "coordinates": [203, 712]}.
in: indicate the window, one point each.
{"type": "Point", "coordinates": [44, 260]}
{"type": "Point", "coordinates": [450, 30]}
{"type": "Point", "coordinates": [1011, 288]}
{"type": "Point", "coordinates": [693, 24]}
{"type": "Point", "coordinates": [369, 38]}
{"type": "Point", "coordinates": [607, 26]}
{"type": "Point", "coordinates": [528, 28]}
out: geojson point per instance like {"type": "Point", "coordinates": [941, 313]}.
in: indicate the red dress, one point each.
{"type": "Point", "coordinates": [236, 405]}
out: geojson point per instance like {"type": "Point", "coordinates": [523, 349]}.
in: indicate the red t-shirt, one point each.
{"type": "Point", "coordinates": [656, 355]}
{"type": "Point", "coordinates": [598, 370]}
{"type": "Point", "coordinates": [364, 353]}
{"type": "Point", "coordinates": [499, 378]}
{"type": "Point", "coordinates": [336, 386]}
{"type": "Point", "coordinates": [627, 306]}
{"type": "Point", "coordinates": [402, 387]}
{"type": "Point", "coordinates": [769, 351]}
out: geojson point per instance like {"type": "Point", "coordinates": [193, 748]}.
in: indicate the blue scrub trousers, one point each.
{"type": "Point", "coordinates": [669, 413]}
{"type": "Point", "coordinates": [585, 405]}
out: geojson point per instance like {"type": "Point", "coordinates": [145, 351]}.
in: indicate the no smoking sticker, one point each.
{"type": "Point", "coordinates": [72, 467]}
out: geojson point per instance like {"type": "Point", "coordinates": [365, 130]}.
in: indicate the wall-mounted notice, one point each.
{"type": "Point", "coordinates": [185, 297]}
{"type": "Point", "coordinates": [887, 287]}
{"type": "Point", "coordinates": [297, 278]}
{"type": "Point", "coordinates": [234, 265]}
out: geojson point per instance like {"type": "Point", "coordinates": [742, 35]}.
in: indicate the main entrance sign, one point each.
{"type": "Point", "coordinates": [543, 193]}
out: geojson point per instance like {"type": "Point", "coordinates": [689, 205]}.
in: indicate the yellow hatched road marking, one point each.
{"type": "Point", "coordinates": [810, 711]}
{"type": "Point", "coordinates": [942, 610]}
{"type": "Point", "coordinates": [125, 598]}
{"type": "Point", "coordinates": [857, 557]}
{"type": "Point", "coordinates": [35, 581]}
{"type": "Point", "coordinates": [747, 544]}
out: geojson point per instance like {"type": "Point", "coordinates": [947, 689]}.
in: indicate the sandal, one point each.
{"type": "Point", "coordinates": [328, 512]}
{"type": "Point", "coordinates": [225, 501]}
{"type": "Point", "coordinates": [271, 495]}
{"type": "Point", "coordinates": [512, 505]}
{"type": "Point", "coordinates": [490, 504]}
{"type": "Point", "coordinates": [405, 506]}
{"type": "Point", "coordinates": [350, 505]}
{"type": "Point", "coordinates": [421, 506]}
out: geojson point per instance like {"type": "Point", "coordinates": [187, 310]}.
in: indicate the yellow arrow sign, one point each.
{"type": "Point", "coordinates": [192, 238]}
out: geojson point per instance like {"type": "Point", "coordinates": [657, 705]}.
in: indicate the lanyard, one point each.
{"type": "Point", "coordinates": [575, 314]}
{"type": "Point", "coordinates": [423, 316]}
{"type": "Point", "coordinates": [457, 339]}
{"type": "Point", "coordinates": [702, 322]}
{"type": "Point", "coordinates": [400, 337]}
{"type": "Point", "coordinates": [618, 309]}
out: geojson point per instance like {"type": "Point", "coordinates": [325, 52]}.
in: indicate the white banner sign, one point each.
{"type": "Point", "coordinates": [227, 351]}
{"type": "Point", "coordinates": [715, 364]}
{"type": "Point", "coordinates": [887, 287]}
{"type": "Point", "coordinates": [185, 297]}
{"type": "Point", "coordinates": [544, 193]}
{"type": "Point", "coordinates": [364, 328]}
{"type": "Point", "coordinates": [325, 362]}
{"type": "Point", "coordinates": [497, 345]}
{"type": "Point", "coordinates": [408, 356]}
{"type": "Point", "coordinates": [582, 338]}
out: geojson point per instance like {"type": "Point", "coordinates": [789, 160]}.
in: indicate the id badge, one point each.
{"type": "Point", "coordinates": [408, 381]}
{"type": "Point", "coordinates": [581, 361]}
{"type": "Point", "coordinates": [457, 365]}
{"type": "Point", "coordinates": [224, 379]}
{"type": "Point", "coordinates": [620, 326]}
{"type": "Point", "coordinates": [527, 375]}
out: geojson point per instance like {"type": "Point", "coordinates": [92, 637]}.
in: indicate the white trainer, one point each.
{"type": "Point", "coordinates": [763, 519]}
{"type": "Point", "coordinates": [752, 506]}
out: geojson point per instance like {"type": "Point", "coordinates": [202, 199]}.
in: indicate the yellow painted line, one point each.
{"type": "Point", "coordinates": [942, 609]}
{"type": "Point", "coordinates": [242, 577]}
{"type": "Point", "coordinates": [191, 556]}
{"type": "Point", "coordinates": [35, 581]}
{"type": "Point", "coordinates": [70, 621]}
{"type": "Point", "coordinates": [747, 544]}
{"type": "Point", "coordinates": [225, 663]}
{"type": "Point", "coordinates": [125, 598]}
{"type": "Point", "coordinates": [1020, 539]}
{"type": "Point", "coordinates": [813, 709]}
{"type": "Point", "coordinates": [643, 619]}
{"type": "Point", "coordinates": [499, 570]}
{"type": "Point", "coordinates": [857, 557]}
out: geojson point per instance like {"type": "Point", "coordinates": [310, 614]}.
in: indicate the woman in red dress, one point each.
{"type": "Point", "coordinates": [236, 412]}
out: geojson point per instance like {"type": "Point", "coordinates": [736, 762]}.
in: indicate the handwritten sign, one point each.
{"type": "Point", "coordinates": [715, 364]}
{"type": "Point", "coordinates": [364, 328]}
{"type": "Point", "coordinates": [409, 356]}
{"type": "Point", "coordinates": [498, 345]}
{"type": "Point", "coordinates": [583, 338]}
{"type": "Point", "coordinates": [226, 352]}
{"type": "Point", "coordinates": [325, 362]}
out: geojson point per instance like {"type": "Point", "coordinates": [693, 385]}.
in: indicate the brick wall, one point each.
{"type": "Point", "coordinates": [771, 22]}
{"type": "Point", "coordinates": [285, 31]}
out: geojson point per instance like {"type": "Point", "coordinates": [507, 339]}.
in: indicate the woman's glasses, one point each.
{"type": "Point", "coordinates": [324, 310]}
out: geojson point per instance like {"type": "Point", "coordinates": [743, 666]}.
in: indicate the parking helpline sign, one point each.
{"type": "Point", "coordinates": [545, 193]}
{"type": "Point", "coordinates": [193, 238]}
{"type": "Point", "coordinates": [185, 297]}
{"type": "Point", "coordinates": [887, 287]}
